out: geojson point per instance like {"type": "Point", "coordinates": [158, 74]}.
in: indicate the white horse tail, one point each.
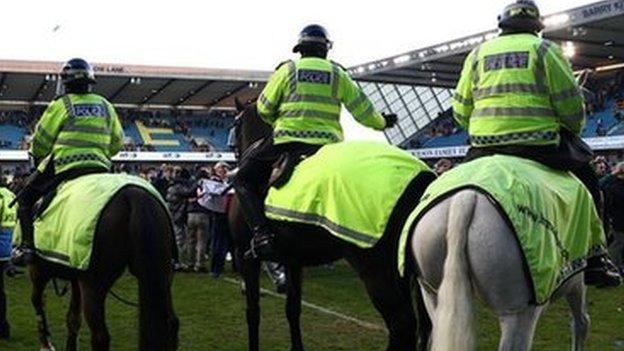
{"type": "Point", "coordinates": [453, 320]}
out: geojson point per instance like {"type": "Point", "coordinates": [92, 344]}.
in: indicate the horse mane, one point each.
{"type": "Point", "coordinates": [250, 126]}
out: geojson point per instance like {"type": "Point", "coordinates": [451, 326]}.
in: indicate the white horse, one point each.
{"type": "Point", "coordinates": [462, 246]}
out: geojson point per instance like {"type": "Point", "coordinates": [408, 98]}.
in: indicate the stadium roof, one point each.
{"type": "Point", "coordinates": [417, 84]}
{"type": "Point", "coordinates": [34, 82]}
{"type": "Point", "coordinates": [595, 31]}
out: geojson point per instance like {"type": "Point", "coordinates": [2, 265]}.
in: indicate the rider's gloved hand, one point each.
{"type": "Point", "coordinates": [391, 119]}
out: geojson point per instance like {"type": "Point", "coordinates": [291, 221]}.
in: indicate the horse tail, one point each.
{"type": "Point", "coordinates": [453, 320]}
{"type": "Point", "coordinates": [151, 262]}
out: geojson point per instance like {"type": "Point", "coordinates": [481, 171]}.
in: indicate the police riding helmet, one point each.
{"type": "Point", "coordinates": [313, 38]}
{"type": "Point", "coordinates": [521, 16]}
{"type": "Point", "coordinates": [77, 76]}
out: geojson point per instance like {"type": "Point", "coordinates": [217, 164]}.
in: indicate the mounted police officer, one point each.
{"type": "Point", "coordinates": [517, 95]}
{"type": "Point", "coordinates": [302, 101]}
{"type": "Point", "coordinates": [78, 134]}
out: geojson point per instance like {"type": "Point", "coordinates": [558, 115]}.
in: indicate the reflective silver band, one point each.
{"type": "Point", "coordinates": [335, 81]}
{"type": "Point", "coordinates": [540, 69]}
{"type": "Point", "coordinates": [313, 98]}
{"type": "Point", "coordinates": [323, 222]}
{"type": "Point", "coordinates": [87, 129]}
{"type": "Point", "coordinates": [513, 111]}
{"type": "Point", "coordinates": [353, 105]}
{"type": "Point", "coordinates": [292, 78]}
{"type": "Point", "coordinates": [475, 67]}
{"type": "Point", "coordinates": [81, 143]}
{"type": "Point", "coordinates": [310, 114]}
{"type": "Point", "coordinates": [462, 100]}
{"type": "Point", "coordinates": [508, 88]}
{"type": "Point", "coordinates": [566, 94]}
{"type": "Point", "coordinates": [266, 103]}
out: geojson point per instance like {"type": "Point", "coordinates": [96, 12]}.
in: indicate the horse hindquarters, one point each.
{"type": "Point", "coordinates": [152, 245]}
{"type": "Point", "coordinates": [493, 257]}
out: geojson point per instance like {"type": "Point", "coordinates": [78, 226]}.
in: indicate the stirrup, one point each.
{"type": "Point", "coordinates": [261, 246]}
{"type": "Point", "coordinates": [23, 255]}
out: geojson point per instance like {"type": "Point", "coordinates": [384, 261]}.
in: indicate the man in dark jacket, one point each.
{"type": "Point", "coordinates": [614, 208]}
{"type": "Point", "coordinates": [197, 226]}
{"type": "Point", "coordinates": [178, 193]}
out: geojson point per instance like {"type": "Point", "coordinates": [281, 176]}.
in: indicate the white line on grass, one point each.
{"type": "Point", "coordinates": [361, 323]}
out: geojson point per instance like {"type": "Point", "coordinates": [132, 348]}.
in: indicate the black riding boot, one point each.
{"type": "Point", "coordinates": [24, 254]}
{"type": "Point", "coordinates": [261, 245]}
{"type": "Point", "coordinates": [601, 271]}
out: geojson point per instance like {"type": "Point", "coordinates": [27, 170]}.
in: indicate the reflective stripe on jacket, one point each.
{"type": "Point", "coordinates": [78, 131]}
{"type": "Point", "coordinates": [303, 98]}
{"type": "Point", "coordinates": [517, 89]}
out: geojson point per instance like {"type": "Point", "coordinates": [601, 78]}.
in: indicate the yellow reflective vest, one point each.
{"type": "Point", "coordinates": [517, 89]}
{"type": "Point", "coordinates": [78, 131]}
{"type": "Point", "coordinates": [303, 99]}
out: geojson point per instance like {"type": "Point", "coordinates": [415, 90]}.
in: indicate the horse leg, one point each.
{"type": "Point", "coordinates": [93, 304]}
{"type": "Point", "coordinates": [39, 281]}
{"type": "Point", "coordinates": [426, 316]}
{"type": "Point", "coordinates": [293, 305]}
{"type": "Point", "coordinates": [388, 298]}
{"type": "Point", "coordinates": [580, 318]}
{"type": "Point", "coordinates": [517, 329]}
{"type": "Point", "coordinates": [251, 276]}
{"type": "Point", "coordinates": [74, 317]}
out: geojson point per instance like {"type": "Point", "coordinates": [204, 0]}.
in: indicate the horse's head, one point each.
{"type": "Point", "coordinates": [248, 127]}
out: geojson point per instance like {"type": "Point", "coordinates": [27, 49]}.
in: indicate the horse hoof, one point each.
{"type": "Point", "coordinates": [49, 348]}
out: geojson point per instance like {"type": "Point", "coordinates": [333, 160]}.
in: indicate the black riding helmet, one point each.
{"type": "Point", "coordinates": [313, 37]}
{"type": "Point", "coordinates": [522, 15]}
{"type": "Point", "coordinates": [77, 74]}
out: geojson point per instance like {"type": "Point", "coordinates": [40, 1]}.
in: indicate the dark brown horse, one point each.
{"type": "Point", "coordinates": [134, 231]}
{"type": "Point", "coordinates": [301, 245]}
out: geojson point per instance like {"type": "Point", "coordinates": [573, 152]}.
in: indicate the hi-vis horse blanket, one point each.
{"type": "Point", "coordinates": [551, 212]}
{"type": "Point", "coordinates": [65, 230]}
{"type": "Point", "coordinates": [348, 188]}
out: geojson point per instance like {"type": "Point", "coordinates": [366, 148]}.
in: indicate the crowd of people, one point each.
{"type": "Point", "coordinates": [197, 198]}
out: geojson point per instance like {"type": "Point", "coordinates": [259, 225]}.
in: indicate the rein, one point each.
{"type": "Point", "coordinates": [123, 300]}
{"type": "Point", "coordinates": [60, 292]}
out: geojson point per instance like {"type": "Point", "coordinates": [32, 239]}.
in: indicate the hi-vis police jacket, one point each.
{"type": "Point", "coordinates": [78, 131]}
{"type": "Point", "coordinates": [517, 89]}
{"type": "Point", "coordinates": [303, 98]}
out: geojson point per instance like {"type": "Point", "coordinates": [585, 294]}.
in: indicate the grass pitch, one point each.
{"type": "Point", "coordinates": [212, 317]}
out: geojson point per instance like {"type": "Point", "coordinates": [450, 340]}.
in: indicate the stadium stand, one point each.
{"type": "Point", "coordinates": [605, 117]}
{"type": "Point", "coordinates": [144, 130]}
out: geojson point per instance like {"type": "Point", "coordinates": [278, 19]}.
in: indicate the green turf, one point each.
{"type": "Point", "coordinates": [212, 317]}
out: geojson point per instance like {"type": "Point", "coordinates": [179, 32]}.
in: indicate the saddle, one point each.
{"type": "Point", "coordinates": [283, 169]}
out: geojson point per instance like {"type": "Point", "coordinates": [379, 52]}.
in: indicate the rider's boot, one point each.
{"type": "Point", "coordinates": [23, 254]}
{"type": "Point", "coordinates": [602, 273]}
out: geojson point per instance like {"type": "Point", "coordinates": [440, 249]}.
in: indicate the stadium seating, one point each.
{"type": "Point", "coordinates": [609, 126]}
{"type": "Point", "coordinates": [146, 132]}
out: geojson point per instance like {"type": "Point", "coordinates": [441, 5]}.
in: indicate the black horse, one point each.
{"type": "Point", "coordinates": [134, 231]}
{"type": "Point", "coordinates": [300, 245]}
